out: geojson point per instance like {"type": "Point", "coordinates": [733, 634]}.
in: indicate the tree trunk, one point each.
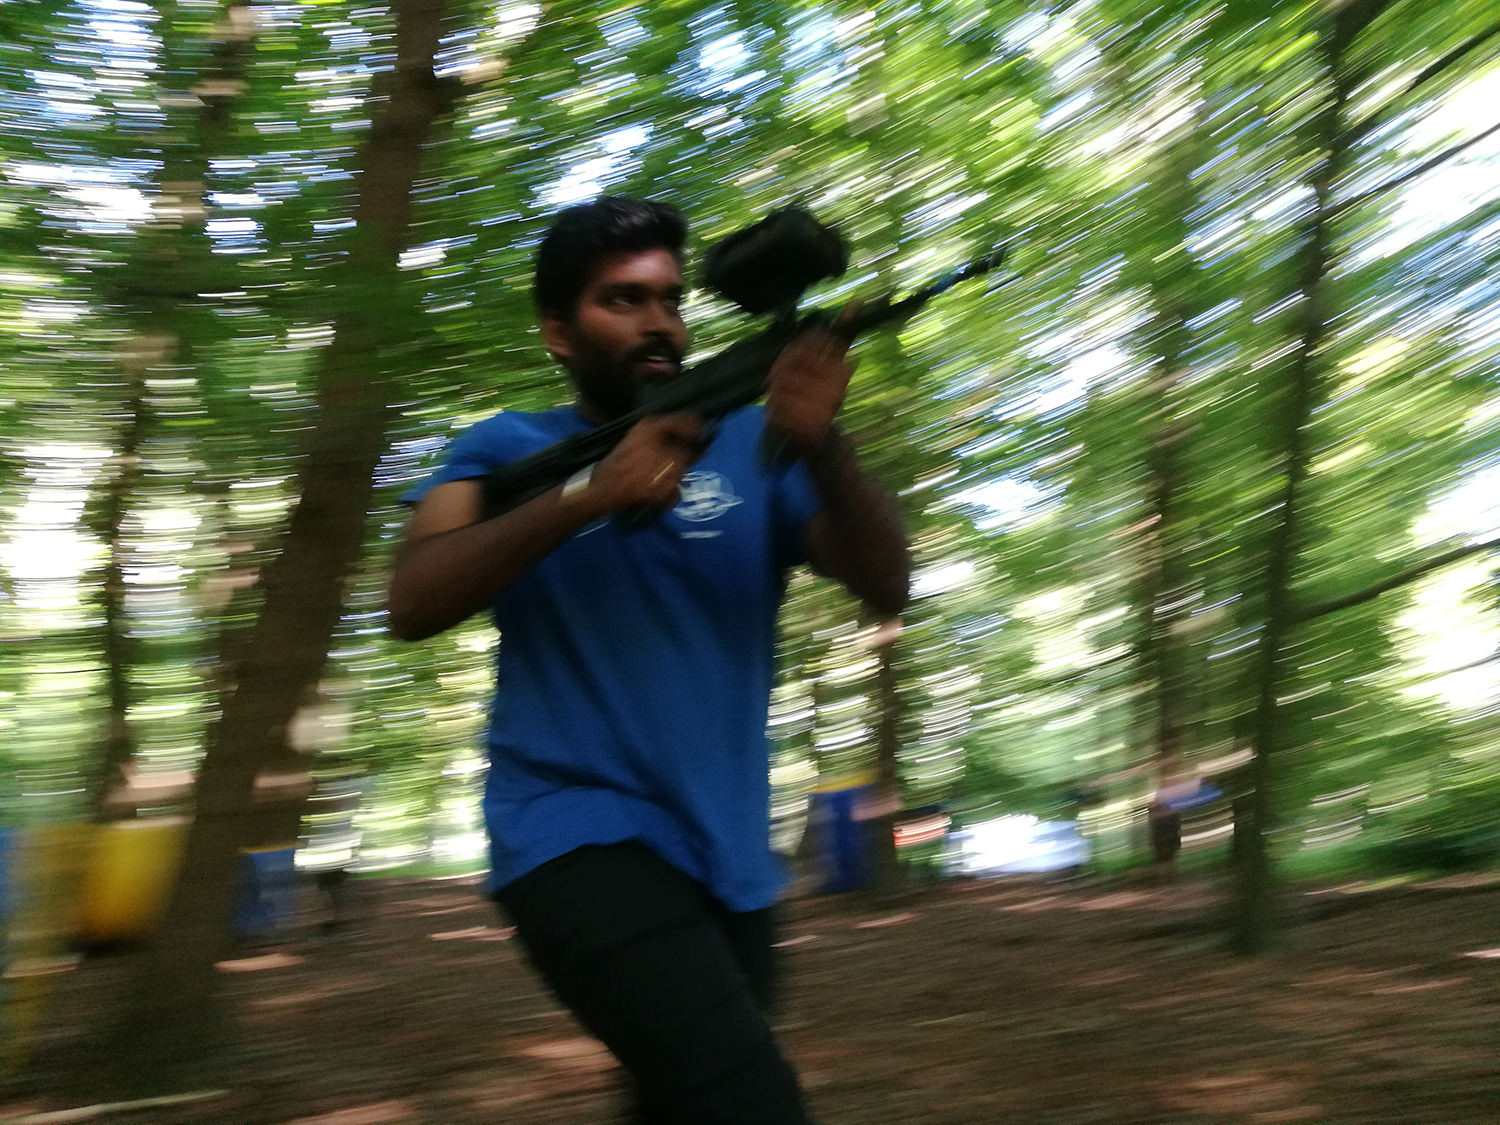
{"type": "Point", "coordinates": [871, 124]}
{"type": "Point", "coordinates": [1163, 597]}
{"type": "Point", "coordinates": [109, 519]}
{"type": "Point", "coordinates": [173, 259]}
{"type": "Point", "coordinates": [1254, 922]}
{"type": "Point", "coordinates": [887, 768]}
{"type": "Point", "coordinates": [170, 1014]}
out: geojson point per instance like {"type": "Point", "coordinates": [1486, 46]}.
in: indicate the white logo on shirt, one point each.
{"type": "Point", "coordinates": [705, 496]}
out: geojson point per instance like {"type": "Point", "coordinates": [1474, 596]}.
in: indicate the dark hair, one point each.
{"type": "Point", "coordinates": [586, 232]}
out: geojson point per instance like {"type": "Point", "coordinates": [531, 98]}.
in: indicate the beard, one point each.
{"type": "Point", "coordinates": [616, 385]}
{"type": "Point", "coordinates": [612, 392]}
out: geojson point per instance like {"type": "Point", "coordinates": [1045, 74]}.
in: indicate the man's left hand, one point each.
{"type": "Point", "coordinates": [807, 384]}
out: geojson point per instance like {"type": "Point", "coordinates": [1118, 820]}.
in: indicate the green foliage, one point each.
{"type": "Point", "coordinates": [1148, 162]}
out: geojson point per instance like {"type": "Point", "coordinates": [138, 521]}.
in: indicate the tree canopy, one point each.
{"type": "Point", "coordinates": [1208, 470]}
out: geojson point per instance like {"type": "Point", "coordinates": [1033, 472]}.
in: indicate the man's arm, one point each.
{"type": "Point", "coordinates": [857, 538]}
{"type": "Point", "coordinates": [453, 563]}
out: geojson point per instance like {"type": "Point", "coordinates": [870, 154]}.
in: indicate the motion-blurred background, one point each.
{"type": "Point", "coordinates": [1204, 484]}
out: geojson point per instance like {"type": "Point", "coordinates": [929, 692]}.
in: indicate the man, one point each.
{"type": "Point", "coordinates": [627, 801]}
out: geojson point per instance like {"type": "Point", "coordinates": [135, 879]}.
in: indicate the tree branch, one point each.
{"type": "Point", "coordinates": [1425, 76]}
{"type": "Point", "coordinates": [1053, 683]}
{"type": "Point", "coordinates": [1428, 677]}
{"type": "Point", "coordinates": [1449, 59]}
{"type": "Point", "coordinates": [1395, 581]}
{"type": "Point", "coordinates": [1352, 16]}
{"type": "Point", "coordinates": [1413, 173]}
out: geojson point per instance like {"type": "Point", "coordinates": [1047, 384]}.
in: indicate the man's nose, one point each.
{"type": "Point", "coordinates": [659, 319]}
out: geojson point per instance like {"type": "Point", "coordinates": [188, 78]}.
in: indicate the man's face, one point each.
{"type": "Point", "coordinates": [626, 330]}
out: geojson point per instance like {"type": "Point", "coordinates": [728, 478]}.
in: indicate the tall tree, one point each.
{"type": "Point", "coordinates": [171, 1008]}
{"type": "Point", "coordinates": [1299, 395]}
{"type": "Point", "coordinates": [161, 301]}
{"type": "Point", "coordinates": [1165, 597]}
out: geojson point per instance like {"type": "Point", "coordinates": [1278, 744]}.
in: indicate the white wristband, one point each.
{"type": "Point", "coordinates": [578, 481]}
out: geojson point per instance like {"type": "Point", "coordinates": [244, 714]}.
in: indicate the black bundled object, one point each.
{"type": "Point", "coordinates": [764, 268]}
{"type": "Point", "coordinates": [767, 267]}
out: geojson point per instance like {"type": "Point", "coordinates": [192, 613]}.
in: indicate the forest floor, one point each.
{"type": "Point", "coordinates": [963, 1003]}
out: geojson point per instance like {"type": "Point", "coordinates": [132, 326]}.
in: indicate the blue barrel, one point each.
{"type": "Point", "coordinates": [268, 892]}
{"type": "Point", "coordinates": [841, 839]}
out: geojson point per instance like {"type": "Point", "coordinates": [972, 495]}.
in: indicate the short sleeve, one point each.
{"type": "Point", "coordinates": [477, 452]}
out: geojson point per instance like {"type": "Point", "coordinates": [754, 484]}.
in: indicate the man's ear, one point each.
{"type": "Point", "coordinates": [556, 336]}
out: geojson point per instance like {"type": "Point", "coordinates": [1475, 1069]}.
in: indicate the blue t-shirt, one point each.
{"type": "Point", "coordinates": [634, 668]}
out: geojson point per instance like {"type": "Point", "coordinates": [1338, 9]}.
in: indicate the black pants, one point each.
{"type": "Point", "coordinates": [672, 983]}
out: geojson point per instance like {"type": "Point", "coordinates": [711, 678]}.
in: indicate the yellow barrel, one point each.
{"type": "Point", "coordinates": [46, 863]}
{"type": "Point", "coordinates": [130, 873]}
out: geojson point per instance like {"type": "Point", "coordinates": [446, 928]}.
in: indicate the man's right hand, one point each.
{"type": "Point", "coordinates": [454, 562]}
{"type": "Point", "coordinates": [645, 469]}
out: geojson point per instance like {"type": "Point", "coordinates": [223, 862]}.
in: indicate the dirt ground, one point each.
{"type": "Point", "coordinates": [961, 1004]}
